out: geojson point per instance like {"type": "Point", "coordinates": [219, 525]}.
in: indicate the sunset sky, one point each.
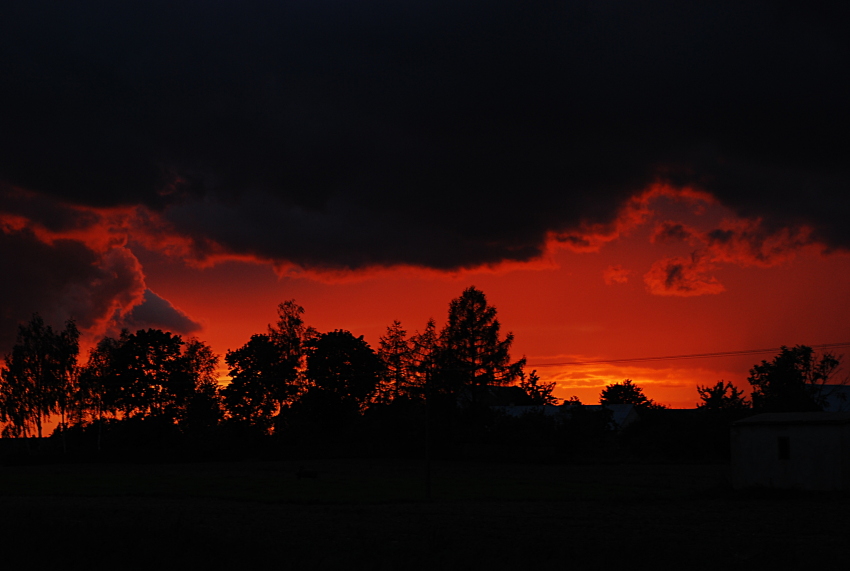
{"type": "Point", "coordinates": [622, 180]}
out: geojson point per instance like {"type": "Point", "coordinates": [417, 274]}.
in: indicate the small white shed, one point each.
{"type": "Point", "coordinates": [800, 450]}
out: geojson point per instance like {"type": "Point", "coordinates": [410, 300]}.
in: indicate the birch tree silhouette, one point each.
{"type": "Point", "coordinates": [39, 376]}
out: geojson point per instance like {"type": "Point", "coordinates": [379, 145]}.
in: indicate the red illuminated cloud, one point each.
{"type": "Point", "coordinates": [750, 243]}
{"type": "Point", "coordinates": [682, 276]}
{"type": "Point", "coordinates": [590, 236]}
{"type": "Point", "coordinates": [672, 232]}
{"type": "Point", "coordinates": [71, 262]}
{"type": "Point", "coordinates": [736, 241]}
{"type": "Point", "coordinates": [616, 275]}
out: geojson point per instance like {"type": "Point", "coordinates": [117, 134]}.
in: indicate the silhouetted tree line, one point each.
{"type": "Point", "coordinates": [292, 383]}
{"type": "Point", "coordinates": [796, 380]}
{"type": "Point", "coordinates": [309, 391]}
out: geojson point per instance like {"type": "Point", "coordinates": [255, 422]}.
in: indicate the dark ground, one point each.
{"type": "Point", "coordinates": [362, 514]}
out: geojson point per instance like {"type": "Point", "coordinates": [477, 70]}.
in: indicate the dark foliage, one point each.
{"type": "Point", "coordinates": [267, 372]}
{"type": "Point", "coordinates": [722, 397]}
{"type": "Point", "coordinates": [398, 354]}
{"type": "Point", "coordinates": [343, 368]}
{"type": "Point", "coordinates": [793, 380]}
{"type": "Point", "coordinates": [39, 377]}
{"type": "Point", "coordinates": [259, 384]}
{"type": "Point", "coordinates": [627, 393]}
{"type": "Point", "coordinates": [470, 354]}
{"type": "Point", "coordinates": [539, 393]}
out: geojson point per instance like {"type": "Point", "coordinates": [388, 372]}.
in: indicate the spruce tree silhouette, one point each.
{"type": "Point", "coordinates": [396, 352]}
{"type": "Point", "coordinates": [470, 354]}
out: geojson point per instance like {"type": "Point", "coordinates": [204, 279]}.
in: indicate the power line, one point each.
{"type": "Point", "coordinates": [689, 356]}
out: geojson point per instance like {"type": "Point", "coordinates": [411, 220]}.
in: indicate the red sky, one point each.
{"type": "Point", "coordinates": [560, 309]}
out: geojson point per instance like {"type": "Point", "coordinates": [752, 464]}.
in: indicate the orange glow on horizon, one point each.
{"type": "Point", "coordinates": [673, 386]}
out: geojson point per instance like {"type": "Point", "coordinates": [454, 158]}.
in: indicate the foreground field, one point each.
{"type": "Point", "coordinates": [376, 515]}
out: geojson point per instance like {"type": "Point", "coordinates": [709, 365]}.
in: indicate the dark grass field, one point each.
{"type": "Point", "coordinates": [361, 514]}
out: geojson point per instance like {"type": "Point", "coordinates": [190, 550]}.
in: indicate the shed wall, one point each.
{"type": "Point", "coordinates": [817, 456]}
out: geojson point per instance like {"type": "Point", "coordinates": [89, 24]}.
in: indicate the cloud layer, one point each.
{"type": "Point", "coordinates": [426, 133]}
{"type": "Point", "coordinates": [338, 136]}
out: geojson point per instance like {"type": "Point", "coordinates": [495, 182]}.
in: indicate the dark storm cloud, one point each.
{"type": "Point", "coordinates": [337, 134]}
{"type": "Point", "coordinates": [158, 313]}
{"type": "Point", "coordinates": [63, 280]}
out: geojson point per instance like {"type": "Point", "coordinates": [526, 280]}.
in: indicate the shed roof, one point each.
{"type": "Point", "coordinates": [796, 418]}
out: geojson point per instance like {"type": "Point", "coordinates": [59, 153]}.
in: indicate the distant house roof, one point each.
{"type": "Point", "coordinates": [836, 398]}
{"type": "Point", "coordinates": [796, 418]}
{"type": "Point", "coordinates": [622, 415]}
{"type": "Point", "coordinates": [519, 410]}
